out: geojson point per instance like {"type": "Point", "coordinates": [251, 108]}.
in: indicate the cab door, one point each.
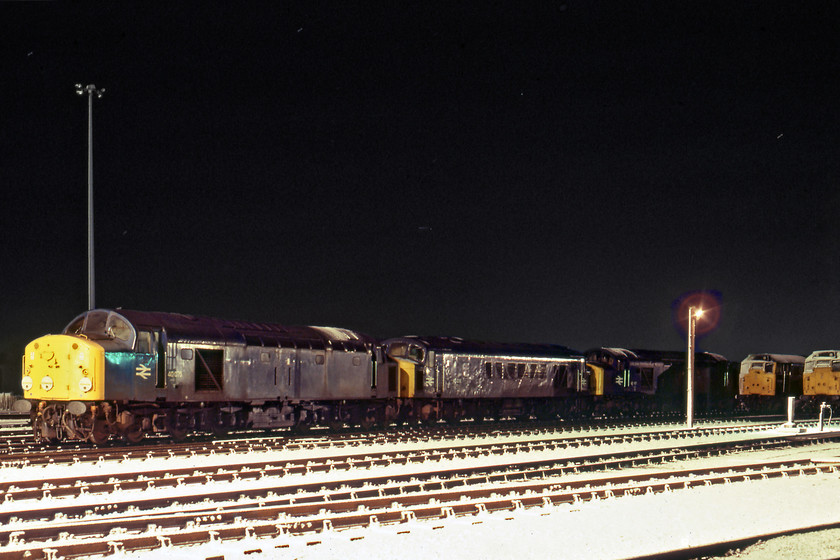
{"type": "Point", "coordinates": [146, 364]}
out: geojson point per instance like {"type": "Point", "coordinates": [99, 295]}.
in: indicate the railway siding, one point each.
{"type": "Point", "coordinates": [158, 502]}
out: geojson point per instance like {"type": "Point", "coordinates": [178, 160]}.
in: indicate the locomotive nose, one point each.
{"type": "Point", "coordinates": [62, 367]}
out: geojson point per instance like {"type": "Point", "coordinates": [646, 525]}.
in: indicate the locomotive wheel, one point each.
{"type": "Point", "coordinates": [428, 414]}
{"type": "Point", "coordinates": [99, 432]}
{"type": "Point", "coordinates": [450, 413]}
{"type": "Point", "coordinates": [134, 432]}
{"type": "Point", "coordinates": [44, 426]}
{"type": "Point", "coordinates": [40, 432]}
{"type": "Point", "coordinates": [176, 427]}
{"type": "Point", "coordinates": [220, 424]}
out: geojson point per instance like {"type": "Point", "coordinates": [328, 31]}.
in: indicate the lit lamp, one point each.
{"type": "Point", "coordinates": [693, 314]}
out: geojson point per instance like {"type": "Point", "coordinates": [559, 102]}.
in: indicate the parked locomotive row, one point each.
{"type": "Point", "coordinates": [133, 373]}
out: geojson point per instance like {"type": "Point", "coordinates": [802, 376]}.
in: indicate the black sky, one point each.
{"type": "Point", "coordinates": [548, 172]}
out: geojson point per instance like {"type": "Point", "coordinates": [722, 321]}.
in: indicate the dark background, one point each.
{"type": "Point", "coordinates": [549, 172]}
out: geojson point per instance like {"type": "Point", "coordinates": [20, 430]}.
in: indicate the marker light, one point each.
{"type": "Point", "coordinates": [85, 385]}
{"type": "Point", "coordinates": [46, 383]}
{"type": "Point", "coordinates": [26, 383]}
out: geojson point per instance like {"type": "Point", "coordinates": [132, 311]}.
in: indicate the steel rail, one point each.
{"type": "Point", "coordinates": [93, 454]}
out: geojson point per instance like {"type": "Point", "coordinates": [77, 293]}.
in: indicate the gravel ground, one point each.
{"type": "Point", "coordinates": [821, 544]}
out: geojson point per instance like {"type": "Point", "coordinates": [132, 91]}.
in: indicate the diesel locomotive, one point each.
{"type": "Point", "coordinates": [765, 381]}
{"type": "Point", "coordinates": [452, 378]}
{"type": "Point", "coordinates": [134, 373]}
{"type": "Point", "coordinates": [647, 381]}
{"type": "Point", "coordinates": [821, 376]}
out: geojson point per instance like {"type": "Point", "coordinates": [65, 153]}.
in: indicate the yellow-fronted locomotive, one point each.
{"type": "Point", "coordinates": [766, 380]}
{"type": "Point", "coordinates": [133, 373]}
{"type": "Point", "coordinates": [821, 377]}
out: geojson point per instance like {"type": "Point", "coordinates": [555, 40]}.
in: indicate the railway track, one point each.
{"type": "Point", "coordinates": [150, 508]}
{"type": "Point", "coordinates": [16, 433]}
{"type": "Point", "coordinates": [266, 465]}
{"type": "Point", "coordinates": [19, 452]}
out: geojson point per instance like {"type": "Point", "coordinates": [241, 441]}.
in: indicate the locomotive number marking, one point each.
{"type": "Point", "coordinates": [143, 371]}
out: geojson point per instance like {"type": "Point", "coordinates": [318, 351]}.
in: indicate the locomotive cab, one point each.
{"type": "Point", "coordinates": [822, 373]}
{"type": "Point", "coordinates": [770, 374]}
{"type": "Point", "coordinates": [66, 388]}
{"type": "Point", "coordinates": [406, 364]}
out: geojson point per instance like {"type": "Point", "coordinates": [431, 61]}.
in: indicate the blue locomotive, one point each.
{"type": "Point", "coordinates": [626, 381]}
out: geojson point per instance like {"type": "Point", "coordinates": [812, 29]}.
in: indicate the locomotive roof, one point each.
{"type": "Point", "coordinates": [666, 356]}
{"type": "Point", "coordinates": [457, 345]}
{"type": "Point", "coordinates": [181, 327]}
{"type": "Point", "coordinates": [782, 358]}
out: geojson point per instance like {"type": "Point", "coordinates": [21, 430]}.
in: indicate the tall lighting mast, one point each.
{"type": "Point", "coordinates": [90, 90]}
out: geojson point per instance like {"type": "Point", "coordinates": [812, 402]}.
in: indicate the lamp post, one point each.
{"type": "Point", "coordinates": [90, 90]}
{"type": "Point", "coordinates": [693, 314]}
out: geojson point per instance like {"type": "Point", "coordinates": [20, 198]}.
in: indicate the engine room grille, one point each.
{"type": "Point", "coordinates": [209, 370]}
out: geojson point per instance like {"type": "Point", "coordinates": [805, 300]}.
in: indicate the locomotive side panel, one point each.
{"type": "Point", "coordinates": [180, 372]}
{"type": "Point", "coordinates": [249, 373]}
{"type": "Point", "coordinates": [310, 374]}
{"type": "Point", "coordinates": [130, 376]}
{"type": "Point", "coordinates": [349, 376]}
{"type": "Point", "coordinates": [495, 377]}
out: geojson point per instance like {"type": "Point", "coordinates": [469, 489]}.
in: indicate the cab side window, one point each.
{"type": "Point", "coordinates": [144, 342]}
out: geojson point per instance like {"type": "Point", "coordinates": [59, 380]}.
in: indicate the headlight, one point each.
{"type": "Point", "coordinates": [46, 383]}
{"type": "Point", "coordinates": [26, 383]}
{"type": "Point", "coordinates": [85, 385]}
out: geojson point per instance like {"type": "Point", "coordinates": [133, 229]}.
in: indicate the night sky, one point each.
{"type": "Point", "coordinates": [524, 172]}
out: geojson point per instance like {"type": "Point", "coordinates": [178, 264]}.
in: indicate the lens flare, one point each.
{"type": "Point", "coordinates": [707, 307]}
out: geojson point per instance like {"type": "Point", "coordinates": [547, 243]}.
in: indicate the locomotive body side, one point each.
{"type": "Point", "coordinates": [131, 373]}
{"type": "Point", "coordinates": [644, 381]}
{"type": "Point", "coordinates": [625, 379]}
{"type": "Point", "coordinates": [451, 378]}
